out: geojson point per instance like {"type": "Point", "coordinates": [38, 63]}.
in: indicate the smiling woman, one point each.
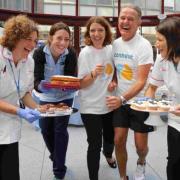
{"type": "Point", "coordinates": [166, 72]}
{"type": "Point", "coordinates": [95, 70]}
{"type": "Point", "coordinates": [56, 57]}
{"type": "Point", "coordinates": [16, 81]}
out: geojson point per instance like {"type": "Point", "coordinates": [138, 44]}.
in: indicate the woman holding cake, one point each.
{"type": "Point", "coordinates": [167, 71]}
{"type": "Point", "coordinates": [55, 58]}
{"type": "Point", "coordinates": [95, 69]}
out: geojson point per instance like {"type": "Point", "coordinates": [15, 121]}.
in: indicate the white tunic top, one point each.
{"type": "Point", "coordinates": [164, 72]}
{"type": "Point", "coordinates": [10, 125]}
{"type": "Point", "coordinates": [93, 98]}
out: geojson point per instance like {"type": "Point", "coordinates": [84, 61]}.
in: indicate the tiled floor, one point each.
{"type": "Point", "coordinates": [35, 164]}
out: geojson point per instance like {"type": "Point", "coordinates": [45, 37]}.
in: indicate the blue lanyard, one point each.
{"type": "Point", "coordinates": [16, 81]}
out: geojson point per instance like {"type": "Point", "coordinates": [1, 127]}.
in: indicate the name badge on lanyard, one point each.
{"type": "Point", "coordinates": [17, 84]}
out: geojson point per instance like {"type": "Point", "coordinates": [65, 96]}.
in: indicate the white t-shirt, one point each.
{"type": "Point", "coordinates": [127, 56]}
{"type": "Point", "coordinates": [10, 125]}
{"type": "Point", "coordinates": [93, 97]}
{"type": "Point", "coordinates": [164, 72]}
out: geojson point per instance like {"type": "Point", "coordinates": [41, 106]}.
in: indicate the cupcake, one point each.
{"type": "Point", "coordinates": [152, 105]}
{"type": "Point", "coordinates": [163, 106]}
{"type": "Point", "coordinates": [141, 105]}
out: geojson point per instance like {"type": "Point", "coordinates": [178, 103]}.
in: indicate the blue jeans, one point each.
{"type": "Point", "coordinates": [56, 137]}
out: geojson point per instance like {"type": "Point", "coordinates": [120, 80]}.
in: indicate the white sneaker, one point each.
{"type": "Point", "coordinates": [140, 172]}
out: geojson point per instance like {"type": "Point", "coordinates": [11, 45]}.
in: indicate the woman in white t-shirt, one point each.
{"type": "Point", "coordinates": [95, 69]}
{"type": "Point", "coordinates": [166, 71]}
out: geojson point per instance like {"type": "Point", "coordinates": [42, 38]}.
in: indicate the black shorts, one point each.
{"type": "Point", "coordinates": [129, 118]}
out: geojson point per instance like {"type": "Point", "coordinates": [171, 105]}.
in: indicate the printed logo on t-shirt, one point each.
{"type": "Point", "coordinates": [124, 55]}
{"type": "Point", "coordinates": [124, 71]}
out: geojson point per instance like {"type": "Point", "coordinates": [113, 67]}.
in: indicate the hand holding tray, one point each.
{"type": "Point", "coordinates": [59, 113]}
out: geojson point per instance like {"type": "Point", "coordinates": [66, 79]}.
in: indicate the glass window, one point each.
{"type": "Point", "coordinates": [87, 11]}
{"type": "Point", "coordinates": [177, 6]}
{"type": "Point", "coordinates": [68, 7]}
{"type": "Point", "coordinates": [127, 2]}
{"type": "Point", "coordinates": [153, 4]}
{"type": "Point", "coordinates": [89, 2]}
{"type": "Point", "coordinates": [20, 5]}
{"type": "Point", "coordinates": [51, 9]}
{"type": "Point", "coordinates": [60, 7]}
{"type": "Point", "coordinates": [116, 2]}
{"type": "Point", "coordinates": [52, 1]}
{"type": "Point", "coordinates": [104, 11]}
{"type": "Point", "coordinates": [38, 6]}
{"type": "Point", "coordinates": [69, 1]}
{"type": "Point", "coordinates": [104, 2]}
{"type": "Point", "coordinates": [68, 10]}
{"type": "Point", "coordinates": [27, 6]}
{"type": "Point", "coordinates": [152, 7]}
{"type": "Point", "coordinates": [140, 3]}
{"type": "Point", "coordinates": [168, 6]}
{"type": "Point", "coordinates": [116, 12]}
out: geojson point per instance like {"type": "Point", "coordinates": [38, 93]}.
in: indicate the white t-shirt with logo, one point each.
{"type": "Point", "coordinates": [127, 56]}
{"type": "Point", "coordinates": [165, 73]}
{"type": "Point", "coordinates": [93, 97]}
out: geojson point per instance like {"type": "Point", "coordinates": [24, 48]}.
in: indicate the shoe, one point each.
{"type": "Point", "coordinates": [123, 178]}
{"type": "Point", "coordinates": [140, 172]}
{"type": "Point", "coordinates": [111, 164]}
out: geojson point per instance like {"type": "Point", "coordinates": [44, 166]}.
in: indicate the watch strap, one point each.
{"type": "Point", "coordinates": [123, 100]}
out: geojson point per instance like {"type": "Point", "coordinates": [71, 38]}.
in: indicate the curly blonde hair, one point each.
{"type": "Point", "coordinates": [17, 28]}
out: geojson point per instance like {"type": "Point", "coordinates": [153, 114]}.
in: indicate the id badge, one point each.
{"type": "Point", "coordinates": [21, 104]}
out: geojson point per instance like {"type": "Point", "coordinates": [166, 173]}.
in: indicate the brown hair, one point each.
{"type": "Point", "coordinates": [103, 22]}
{"type": "Point", "coordinates": [17, 28]}
{"type": "Point", "coordinates": [58, 26]}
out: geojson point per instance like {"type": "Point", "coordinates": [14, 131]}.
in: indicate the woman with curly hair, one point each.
{"type": "Point", "coordinates": [16, 81]}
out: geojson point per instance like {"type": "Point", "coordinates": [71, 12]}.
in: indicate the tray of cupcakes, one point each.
{"type": "Point", "coordinates": [54, 110]}
{"type": "Point", "coordinates": [151, 105]}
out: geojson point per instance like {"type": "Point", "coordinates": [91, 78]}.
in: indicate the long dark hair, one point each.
{"type": "Point", "coordinates": [170, 29]}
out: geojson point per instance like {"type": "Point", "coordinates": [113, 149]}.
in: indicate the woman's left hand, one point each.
{"type": "Point", "coordinates": [112, 86]}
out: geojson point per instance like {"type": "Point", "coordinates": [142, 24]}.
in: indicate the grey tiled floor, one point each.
{"type": "Point", "coordinates": [35, 164]}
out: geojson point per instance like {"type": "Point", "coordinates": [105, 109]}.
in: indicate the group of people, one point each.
{"type": "Point", "coordinates": [110, 73]}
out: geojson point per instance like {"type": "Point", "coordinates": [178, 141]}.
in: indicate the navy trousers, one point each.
{"type": "Point", "coordinates": [56, 137]}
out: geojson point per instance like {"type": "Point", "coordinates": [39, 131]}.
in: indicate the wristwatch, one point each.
{"type": "Point", "coordinates": [123, 100]}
